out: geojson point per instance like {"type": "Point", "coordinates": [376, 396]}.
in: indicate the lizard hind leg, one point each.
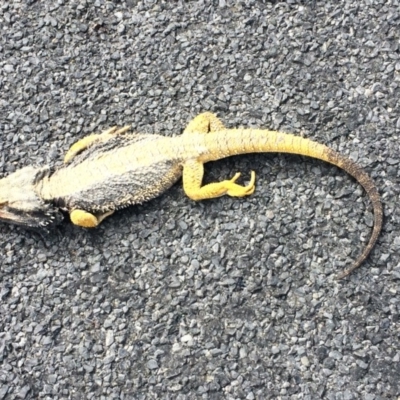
{"type": "Point", "coordinates": [204, 123]}
{"type": "Point", "coordinates": [87, 141]}
{"type": "Point", "coordinates": [86, 219]}
{"type": "Point", "coordinates": [192, 178]}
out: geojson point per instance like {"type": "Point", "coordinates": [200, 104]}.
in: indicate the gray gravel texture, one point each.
{"type": "Point", "coordinates": [227, 298]}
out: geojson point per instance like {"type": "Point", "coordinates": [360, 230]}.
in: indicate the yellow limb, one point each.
{"type": "Point", "coordinates": [192, 178]}
{"type": "Point", "coordinates": [87, 141]}
{"type": "Point", "coordinates": [204, 123]}
{"type": "Point", "coordinates": [86, 219]}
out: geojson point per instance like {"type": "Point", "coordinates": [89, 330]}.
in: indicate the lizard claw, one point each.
{"type": "Point", "coordinates": [235, 177]}
{"type": "Point", "coordinates": [236, 190]}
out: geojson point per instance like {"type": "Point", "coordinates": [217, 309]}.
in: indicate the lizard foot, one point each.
{"type": "Point", "coordinates": [86, 219]}
{"type": "Point", "coordinates": [235, 190]}
{"type": "Point", "coordinates": [193, 175]}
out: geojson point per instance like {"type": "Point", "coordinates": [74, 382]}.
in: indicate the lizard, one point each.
{"type": "Point", "coordinates": [114, 169]}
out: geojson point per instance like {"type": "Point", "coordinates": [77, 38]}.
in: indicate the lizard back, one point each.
{"type": "Point", "coordinates": [125, 170]}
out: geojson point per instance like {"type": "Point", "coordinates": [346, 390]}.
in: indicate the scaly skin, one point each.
{"type": "Point", "coordinates": [112, 170]}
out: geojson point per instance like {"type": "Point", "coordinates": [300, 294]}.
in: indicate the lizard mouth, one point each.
{"type": "Point", "coordinates": [4, 214]}
{"type": "Point", "coordinates": [10, 215]}
{"type": "Point", "coordinates": [33, 219]}
{"type": "Point", "coordinates": [20, 203]}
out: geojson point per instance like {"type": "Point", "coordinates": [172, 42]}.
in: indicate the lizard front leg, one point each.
{"type": "Point", "coordinates": [204, 123]}
{"type": "Point", "coordinates": [87, 141]}
{"type": "Point", "coordinates": [86, 219]}
{"type": "Point", "coordinates": [192, 179]}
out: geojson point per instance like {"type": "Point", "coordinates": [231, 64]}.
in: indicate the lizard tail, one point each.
{"type": "Point", "coordinates": [242, 141]}
{"type": "Point", "coordinates": [369, 186]}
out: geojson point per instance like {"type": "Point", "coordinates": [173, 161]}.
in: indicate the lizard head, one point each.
{"type": "Point", "coordinates": [20, 203]}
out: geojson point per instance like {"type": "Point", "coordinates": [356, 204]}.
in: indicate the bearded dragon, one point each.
{"type": "Point", "coordinates": [111, 170]}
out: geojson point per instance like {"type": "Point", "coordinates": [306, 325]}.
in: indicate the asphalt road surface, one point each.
{"type": "Point", "coordinates": [227, 298]}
